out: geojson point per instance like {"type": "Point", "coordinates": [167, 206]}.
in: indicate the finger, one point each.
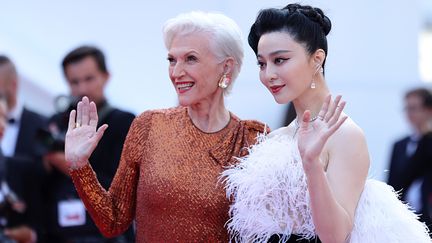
{"type": "Point", "coordinates": [332, 108]}
{"type": "Point", "coordinates": [324, 108]}
{"type": "Point", "coordinates": [85, 111]}
{"type": "Point", "coordinates": [338, 124]}
{"type": "Point", "coordinates": [79, 114]}
{"type": "Point", "coordinates": [71, 124]}
{"type": "Point", "coordinates": [337, 114]}
{"type": "Point", "coordinates": [93, 115]}
{"type": "Point", "coordinates": [305, 120]}
{"type": "Point", "coordinates": [100, 133]}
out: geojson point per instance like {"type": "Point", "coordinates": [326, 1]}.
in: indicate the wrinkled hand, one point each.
{"type": "Point", "coordinates": [82, 136]}
{"type": "Point", "coordinates": [313, 135]}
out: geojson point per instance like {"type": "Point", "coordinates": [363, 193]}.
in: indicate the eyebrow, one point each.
{"type": "Point", "coordinates": [187, 53]}
{"type": "Point", "coordinates": [275, 53]}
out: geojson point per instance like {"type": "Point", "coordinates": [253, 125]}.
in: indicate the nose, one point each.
{"type": "Point", "coordinates": [177, 70]}
{"type": "Point", "coordinates": [270, 73]}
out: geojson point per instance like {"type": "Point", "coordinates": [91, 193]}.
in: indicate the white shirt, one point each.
{"type": "Point", "coordinates": [10, 136]}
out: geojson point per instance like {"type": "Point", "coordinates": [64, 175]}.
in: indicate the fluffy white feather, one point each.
{"type": "Point", "coordinates": [270, 196]}
{"type": "Point", "coordinates": [269, 192]}
{"type": "Point", "coordinates": [381, 217]}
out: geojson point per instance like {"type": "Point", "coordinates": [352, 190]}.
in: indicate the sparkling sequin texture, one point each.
{"type": "Point", "coordinates": [168, 179]}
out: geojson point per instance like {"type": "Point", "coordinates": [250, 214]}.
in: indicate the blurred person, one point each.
{"type": "Point", "coordinates": [418, 110]}
{"type": "Point", "coordinates": [414, 168]}
{"type": "Point", "coordinates": [87, 75]}
{"type": "Point", "coordinates": [19, 143]}
{"type": "Point", "coordinates": [168, 173]}
{"type": "Point", "coordinates": [307, 182]}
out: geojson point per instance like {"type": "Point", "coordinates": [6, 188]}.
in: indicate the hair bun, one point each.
{"type": "Point", "coordinates": [314, 14]}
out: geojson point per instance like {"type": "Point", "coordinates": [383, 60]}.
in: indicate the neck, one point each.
{"type": "Point", "coordinates": [209, 116]}
{"type": "Point", "coordinates": [425, 128]}
{"type": "Point", "coordinates": [311, 99]}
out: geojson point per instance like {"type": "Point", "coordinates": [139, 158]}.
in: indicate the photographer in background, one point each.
{"type": "Point", "coordinates": [87, 75]}
{"type": "Point", "coordinates": [19, 148]}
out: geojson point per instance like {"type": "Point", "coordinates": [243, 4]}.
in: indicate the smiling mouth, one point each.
{"type": "Point", "coordinates": [276, 88]}
{"type": "Point", "coordinates": [184, 86]}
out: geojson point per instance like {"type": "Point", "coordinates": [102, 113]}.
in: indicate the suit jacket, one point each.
{"type": "Point", "coordinates": [25, 172]}
{"type": "Point", "coordinates": [30, 123]}
{"type": "Point", "coordinates": [398, 162]}
{"type": "Point", "coordinates": [22, 181]}
{"type": "Point", "coordinates": [420, 166]}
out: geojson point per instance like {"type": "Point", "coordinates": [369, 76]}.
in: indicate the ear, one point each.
{"type": "Point", "coordinates": [106, 77]}
{"type": "Point", "coordinates": [318, 58]}
{"type": "Point", "coordinates": [228, 67]}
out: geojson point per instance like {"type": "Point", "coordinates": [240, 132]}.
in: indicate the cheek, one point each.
{"type": "Point", "coordinates": [262, 77]}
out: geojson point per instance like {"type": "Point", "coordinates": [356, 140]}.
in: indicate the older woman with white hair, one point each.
{"type": "Point", "coordinates": [171, 160]}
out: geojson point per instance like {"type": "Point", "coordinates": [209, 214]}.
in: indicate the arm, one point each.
{"type": "Point", "coordinates": [112, 210]}
{"type": "Point", "coordinates": [333, 194]}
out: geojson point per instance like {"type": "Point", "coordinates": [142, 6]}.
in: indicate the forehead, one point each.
{"type": "Point", "coordinates": [279, 40]}
{"type": "Point", "coordinates": [87, 64]}
{"type": "Point", "coordinates": [199, 42]}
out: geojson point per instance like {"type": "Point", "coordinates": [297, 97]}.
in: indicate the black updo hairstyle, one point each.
{"type": "Point", "coordinates": [305, 24]}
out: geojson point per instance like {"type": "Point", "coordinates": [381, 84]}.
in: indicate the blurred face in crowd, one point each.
{"type": "Point", "coordinates": [8, 83]}
{"type": "Point", "coordinates": [417, 114]}
{"type": "Point", "coordinates": [194, 70]}
{"type": "Point", "coordinates": [3, 117]}
{"type": "Point", "coordinates": [86, 79]}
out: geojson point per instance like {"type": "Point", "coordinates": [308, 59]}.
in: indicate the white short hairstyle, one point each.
{"type": "Point", "coordinates": [225, 34]}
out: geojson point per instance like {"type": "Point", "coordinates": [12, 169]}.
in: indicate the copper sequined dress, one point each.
{"type": "Point", "coordinates": [168, 179]}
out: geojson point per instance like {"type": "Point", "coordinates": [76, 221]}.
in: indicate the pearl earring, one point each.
{"type": "Point", "coordinates": [313, 85]}
{"type": "Point", "coordinates": [223, 82]}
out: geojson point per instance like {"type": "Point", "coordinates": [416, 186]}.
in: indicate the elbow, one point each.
{"type": "Point", "coordinates": [336, 234]}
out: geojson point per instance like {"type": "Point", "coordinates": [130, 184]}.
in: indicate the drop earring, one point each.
{"type": "Point", "coordinates": [223, 82]}
{"type": "Point", "coordinates": [313, 85]}
{"type": "Point", "coordinates": [321, 70]}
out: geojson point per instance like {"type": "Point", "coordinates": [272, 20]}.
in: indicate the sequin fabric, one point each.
{"type": "Point", "coordinates": [167, 179]}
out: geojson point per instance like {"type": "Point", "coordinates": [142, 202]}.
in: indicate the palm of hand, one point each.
{"type": "Point", "coordinates": [311, 139]}
{"type": "Point", "coordinates": [80, 143]}
{"type": "Point", "coordinates": [313, 134]}
{"type": "Point", "coordinates": [82, 136]}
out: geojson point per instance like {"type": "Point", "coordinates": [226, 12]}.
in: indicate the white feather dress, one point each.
{"type": "Point", "coordinates": [269, 196]}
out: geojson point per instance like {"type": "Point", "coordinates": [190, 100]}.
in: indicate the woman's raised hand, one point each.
{"type": "Point", "coordinates": [82, 135]}
{"type": "Point", "coordinates": [313, 135]}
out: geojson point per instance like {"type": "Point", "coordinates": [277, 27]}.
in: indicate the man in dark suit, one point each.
{"type": "Point", "coordinates": [409, 155]}
{"type": "Point", "coordinates": [87, 75]}
{"type": "Point", "coordinates": [19, 142]}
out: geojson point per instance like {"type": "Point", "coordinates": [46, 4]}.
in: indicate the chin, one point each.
{"type": "Point", "coordinates": [282, 100]}
{"type": "Point", "coordinates": [183, 102]}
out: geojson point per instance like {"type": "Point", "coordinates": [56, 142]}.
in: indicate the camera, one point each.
{"type": "Point", "coordinates": [10, 206]}
{"type": "Point", "coordinates": [52, 137]}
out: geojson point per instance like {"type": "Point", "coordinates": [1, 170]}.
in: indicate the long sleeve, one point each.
{"type": "Point", "coordinates": [114, 210]}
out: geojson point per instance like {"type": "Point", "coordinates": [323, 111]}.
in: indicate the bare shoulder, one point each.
{"type": "Point", "coordinates": [348, 134]}
{"type": "Point", "coordinates": [348, 143]}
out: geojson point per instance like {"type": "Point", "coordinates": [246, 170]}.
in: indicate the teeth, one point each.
{"type": "Point", "coordinates": [186, 85]}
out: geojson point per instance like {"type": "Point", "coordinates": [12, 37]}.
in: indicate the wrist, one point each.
{"type": "Point", "coordinates": [78, 164]}
{"type": "Point", "coordinates": [313, 166]}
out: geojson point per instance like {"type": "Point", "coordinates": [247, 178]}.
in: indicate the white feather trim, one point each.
{"type": "Point", "coordinates": [381, 217]}
{"type": "Point", "coordinates": [270, 196]}
{"type": "Point", "coordinates": [269, 192]}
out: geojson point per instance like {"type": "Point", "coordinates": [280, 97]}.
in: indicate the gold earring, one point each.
{"type": "Point", "coordinates": [223, 82]}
